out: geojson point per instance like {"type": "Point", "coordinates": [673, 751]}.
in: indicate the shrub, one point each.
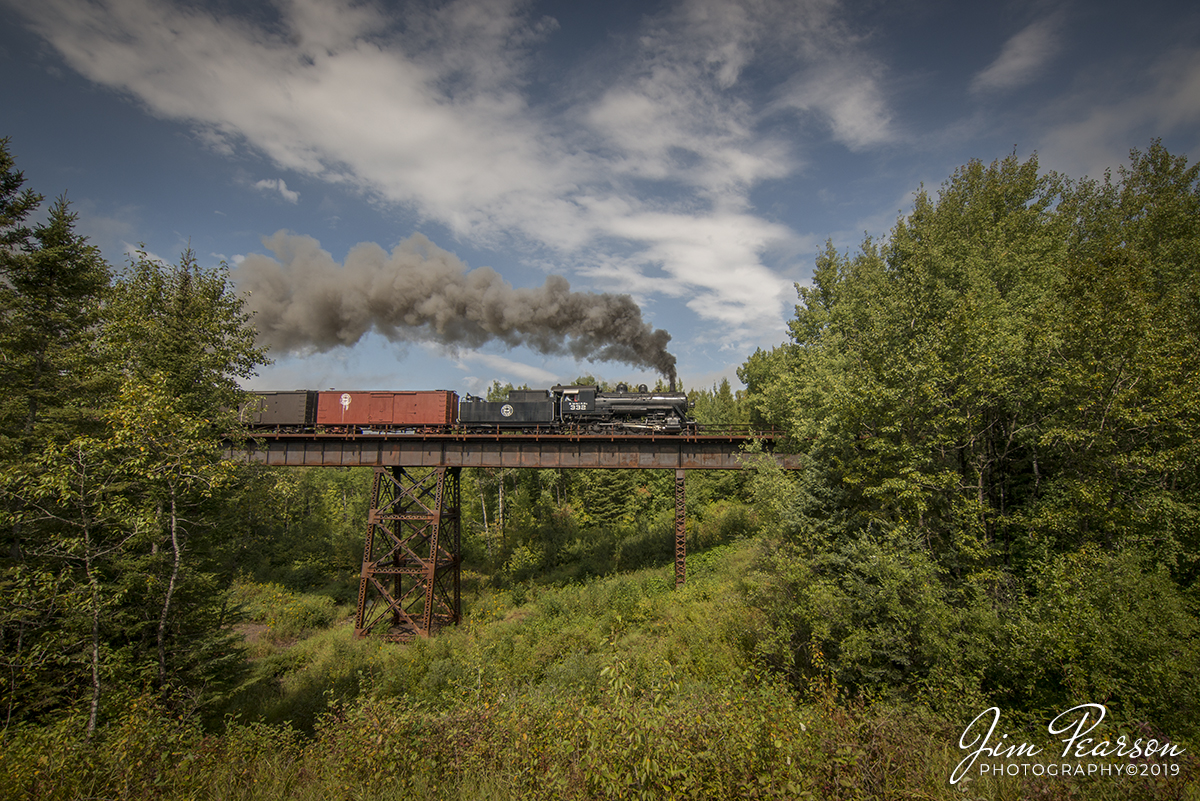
{"type": "Point", "coordinates": [1105, 628]}
{"type": "Point", "coordinates": [286, 613]}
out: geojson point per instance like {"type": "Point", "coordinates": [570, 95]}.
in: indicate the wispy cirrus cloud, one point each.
{"type": "Point", "coordinates": [1093, 131]}
{"type": "Point", "coordinates": [849, 101]}
{"type": "Point", "coordinates": [1022, 58]}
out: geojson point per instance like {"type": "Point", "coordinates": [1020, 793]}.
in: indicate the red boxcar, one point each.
{"type": "Point", "coordinates": [387, 410]}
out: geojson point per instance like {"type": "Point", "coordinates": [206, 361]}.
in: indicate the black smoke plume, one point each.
{"type": "Point", "coordinates": [303, 299]}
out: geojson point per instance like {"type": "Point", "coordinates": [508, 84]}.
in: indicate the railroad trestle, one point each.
{"type": "Point", "coordinates": [410, 576]}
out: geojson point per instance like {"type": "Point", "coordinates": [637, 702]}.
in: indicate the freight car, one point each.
{"type": "Point", "coordinates": [559, 409]}
{"type": "Point", "coordinates": [281, 411]}
{"type": "Point", "coordinates": [386, 411]}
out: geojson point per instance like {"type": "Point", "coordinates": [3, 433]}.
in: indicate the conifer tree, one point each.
{"type": "Point", "coordinates": [51, 285]}
{"type": "Point", "coordinates": [51, 290]}
{"type": "Point", "coordinates": [51, 305]}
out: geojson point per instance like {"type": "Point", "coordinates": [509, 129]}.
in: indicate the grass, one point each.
{"type": "Point", "coordinates": [618, 687]}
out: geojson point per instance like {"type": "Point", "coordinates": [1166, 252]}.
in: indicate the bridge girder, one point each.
{"type": "Point", "coordinates": [635, 452]}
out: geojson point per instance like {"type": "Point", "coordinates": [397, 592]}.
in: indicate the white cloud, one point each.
{"type": "Point", "coordinates": [134, 252]}
{"type": "Point", "coordinates": [848, 97]}
{"type": "Point", "coordinates": [278, 185]}
{"type": "Point", "coordinates": [111, 229]}
{"type": "Point", "coordinates": [509, 369]}
{"type": "Point", "coordinates": [834, 78]}
{"type": "Point", "coordinates": [719, 254]}
{"type": "Point", "coordinates": [432, 106]}
{"type": "Point", "coordinates": [1094, 132]}
{"type": "Point", "coordinates": [1021, 59]}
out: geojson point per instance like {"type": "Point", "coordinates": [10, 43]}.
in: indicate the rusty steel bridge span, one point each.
{"type": "Point", "coordinates": [410, 580]}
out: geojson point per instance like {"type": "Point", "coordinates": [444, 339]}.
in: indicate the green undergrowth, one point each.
{"type": "Point", "coordinates": [621, 687]}
{"type": "Point", "coordinates": [525, 638]}
{"type": "Point", "coordinates": [733, 741]}
{"type": "Point", "coordinates": [285, 613]}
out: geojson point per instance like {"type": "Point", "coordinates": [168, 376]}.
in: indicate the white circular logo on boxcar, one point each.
{"type": "Point", "coordinates": [345, 400]}
{"type": "Point", "coordinates": [506, 410]}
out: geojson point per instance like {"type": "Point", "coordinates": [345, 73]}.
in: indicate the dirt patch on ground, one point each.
{"type": "Point", "coordinates": [252, 632]}
{"type": "Point", "coordinates": [519, 615]}
{"type": "Point", "coordinates": [260, 642]}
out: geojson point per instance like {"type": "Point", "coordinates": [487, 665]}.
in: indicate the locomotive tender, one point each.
{"type": "Point", "coordinates": [560, 409]}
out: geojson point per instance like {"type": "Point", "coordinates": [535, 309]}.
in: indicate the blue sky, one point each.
{"type": "Point", "coordinates": [693, 154]}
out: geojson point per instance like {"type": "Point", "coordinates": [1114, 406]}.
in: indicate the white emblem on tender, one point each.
{"type": "Point", "coordinates": [506, 410]}
{"type": "Point", "coordinates": [345, 400]}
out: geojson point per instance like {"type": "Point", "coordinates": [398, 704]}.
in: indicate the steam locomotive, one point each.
{"type": "Point", "coordinates": [560, 409]}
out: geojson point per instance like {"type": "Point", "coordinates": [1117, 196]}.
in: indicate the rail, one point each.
{"type": "Point", "coordinates": [725, 432]}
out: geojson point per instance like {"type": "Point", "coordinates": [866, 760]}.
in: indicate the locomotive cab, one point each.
{"type": "Point", "coordinates": [577, 400]}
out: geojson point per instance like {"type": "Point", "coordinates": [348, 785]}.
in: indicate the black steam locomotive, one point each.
{"type": "Point", "coordinates": [581, 408]}
{"type": "Point", "coordinates": [560, 409]}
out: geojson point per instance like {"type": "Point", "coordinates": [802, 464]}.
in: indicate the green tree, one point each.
{"type": "Point", "coordinates": [175, 466]}
{"type": "Point", "coordinates": [302, 528]}
{"type": "Point", "coordinates": [120, 509]}
{"type": "Point", "coordinates": [76, 496]}
{"type": "Point", "coordinates": [16, 204]}
{"type": "Point", "coordinates": [180, 340]}
{"type": "Point", "coordinates": [1009, 380]}
{"type": "Point", "coordinates": [185, 326]}
{"type": "Point", "coordinates": [50, 304]}
{"type": "Point", "coordinates": [1122, 422]}
{"type": "Point", "coordinates": [51, 289]}
{"type": "Point", "coordinates": [718, 406]}
{"type": "Point", "coordinates": [767, 376]}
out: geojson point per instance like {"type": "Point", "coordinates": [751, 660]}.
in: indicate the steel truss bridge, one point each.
{"type": "Point", "coordinates": [409, 585]}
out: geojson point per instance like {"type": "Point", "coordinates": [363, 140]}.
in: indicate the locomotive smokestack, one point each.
{"type": "Point", "coordinates": [303, 299]}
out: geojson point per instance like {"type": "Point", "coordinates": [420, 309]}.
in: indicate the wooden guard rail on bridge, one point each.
{"type": "Point", "coordinates": [410, 571]}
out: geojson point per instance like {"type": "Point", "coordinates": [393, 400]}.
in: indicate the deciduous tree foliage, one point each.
{"type": "Point", "coordinates": [184, 328]}
{"type": "Point", "coordinates": [1006, 386]}
{"type": "Point", "coordinates": [718, 406]}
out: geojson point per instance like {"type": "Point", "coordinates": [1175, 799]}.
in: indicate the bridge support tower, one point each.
{"type": "Point", "coordinates": [680, 530]}
{"type": "Point", "coordinates": [410, 571]}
